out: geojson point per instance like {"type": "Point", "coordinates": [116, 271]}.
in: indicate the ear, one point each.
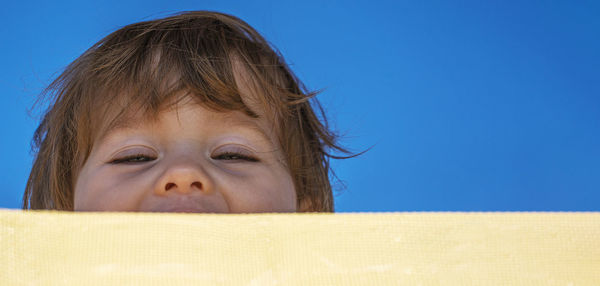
{"type": "Point", "coordinates": [305, 205]}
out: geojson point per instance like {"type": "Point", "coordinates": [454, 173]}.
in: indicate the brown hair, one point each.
{"type": "Point", "coordinates": [151, 63]}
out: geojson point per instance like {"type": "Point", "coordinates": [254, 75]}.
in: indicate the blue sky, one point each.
{"type": "Point", "coordinates": [469, 105]}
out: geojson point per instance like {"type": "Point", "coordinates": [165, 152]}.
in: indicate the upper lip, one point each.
{"type": "Point", "coordinates": [182, 210]}
{"type": "Point", "coordinates": [188, 205]}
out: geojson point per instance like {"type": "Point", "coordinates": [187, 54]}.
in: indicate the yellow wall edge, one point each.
{"type": "Point", "coordinates": [419, 248]}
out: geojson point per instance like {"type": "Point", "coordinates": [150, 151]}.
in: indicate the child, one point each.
{"type": "Point", "coordinates": [191, 113]}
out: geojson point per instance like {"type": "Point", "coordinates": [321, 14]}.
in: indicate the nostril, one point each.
{"type": "Point", "coordinates": [198, 185]}
{"type": "Point", "coordinates": [169, 186]}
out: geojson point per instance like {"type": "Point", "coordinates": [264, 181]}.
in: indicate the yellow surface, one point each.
{"type": "Point", "coordinates": [62, 248]}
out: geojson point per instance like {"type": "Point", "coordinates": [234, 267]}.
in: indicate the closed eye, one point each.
{"type": "Point", "coordinates": [232, 156]}
{"type": "Point", "coordinates": [132, 159]}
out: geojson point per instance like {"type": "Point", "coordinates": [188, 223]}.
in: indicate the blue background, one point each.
{"type": "Point", "coordinates": [469, 105]}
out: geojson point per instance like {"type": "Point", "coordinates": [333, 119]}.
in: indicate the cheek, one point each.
{"type": "Point", "coordinates": [101, 190]}
{"type": "Point", "coordinates": [261, 193]}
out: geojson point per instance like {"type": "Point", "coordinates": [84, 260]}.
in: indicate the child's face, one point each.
{"type": "Point", "coordinates": [191, 160]}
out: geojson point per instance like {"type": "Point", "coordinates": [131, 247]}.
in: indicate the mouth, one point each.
{"type": "Point", "coordinates": [186, 207]}
{"type": "Point", "coordinates": [183, 210]}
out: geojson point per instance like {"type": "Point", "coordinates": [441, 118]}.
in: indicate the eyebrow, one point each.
{"type": "Point", "coordinates": [125, 124]}
{"type": "Point", "coordinates": [252, 124]}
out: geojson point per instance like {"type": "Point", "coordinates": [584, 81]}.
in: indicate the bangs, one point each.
{"type": "Point", "coordinates": [145, 68]}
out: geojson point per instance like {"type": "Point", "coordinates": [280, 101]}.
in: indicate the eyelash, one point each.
{"type": "Point", "coordinates": [232, 155]}
{"type": "Point", "coordinates": [126, 159]}
{"type": "Point", "coordinates": [238, 156]}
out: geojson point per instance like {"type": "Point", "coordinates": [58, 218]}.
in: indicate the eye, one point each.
{"type": "Point", "coordinates": [132, 159]}
{"type": "Point", "coordinates": [235, 154]}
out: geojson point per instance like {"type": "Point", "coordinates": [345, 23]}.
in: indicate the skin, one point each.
{"type": "Point", "coordinates": [191, 159]}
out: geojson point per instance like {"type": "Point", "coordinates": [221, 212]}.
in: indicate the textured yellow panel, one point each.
{"type": "Point", "coordinates": [58, 248]}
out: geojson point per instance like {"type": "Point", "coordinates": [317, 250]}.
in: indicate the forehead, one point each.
{"type": "Point", "coordinates": [225, 118]}
{"type": "Point", "coordinates": [137, 118]}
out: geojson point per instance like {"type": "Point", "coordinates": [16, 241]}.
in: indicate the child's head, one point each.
{"type": "Point", "coordinates": [194, 112]}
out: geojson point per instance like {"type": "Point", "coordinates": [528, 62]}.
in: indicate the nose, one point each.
{"type": "Point", "coordinates": [184, 178]}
